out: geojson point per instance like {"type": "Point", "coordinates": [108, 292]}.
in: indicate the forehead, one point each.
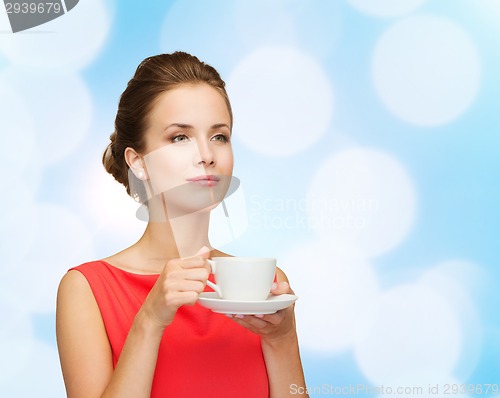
{"type": "Point", "coordinates": [190, 103]}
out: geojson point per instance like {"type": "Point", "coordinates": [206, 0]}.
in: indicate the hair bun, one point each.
{"type": "Point", "coordinates": [110, 162]}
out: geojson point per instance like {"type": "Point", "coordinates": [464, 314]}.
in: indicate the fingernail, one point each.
{"type": "Point", "coordinates": [259, 315]}
{"type": "Point", "coordinates": [274, 286]}
{"type": "Point", "coordinates": [239, 316]}
{"type": "Point", "coordinates": [228, 315]}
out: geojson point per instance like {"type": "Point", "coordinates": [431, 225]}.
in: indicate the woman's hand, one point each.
{"type": "Point", "coordinates": [180, 283]}
{"type": "Point", "coordinates": [272, 327]}
{"type": "Point", "coordinates": [279, 344]}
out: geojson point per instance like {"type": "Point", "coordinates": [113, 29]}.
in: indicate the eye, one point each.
{"type": "Point", "coordinates": [220, 137]}
{"type": "Point", "coordinates": [180, 138]}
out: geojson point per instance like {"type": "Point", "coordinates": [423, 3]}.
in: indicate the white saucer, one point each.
{"type": "Point", "coordinates": [273, 303]}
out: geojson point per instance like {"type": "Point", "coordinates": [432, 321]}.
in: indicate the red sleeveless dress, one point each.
{"type": "Point", "coordinates": [202, 353]}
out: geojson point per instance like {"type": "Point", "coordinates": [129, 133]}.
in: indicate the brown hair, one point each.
{"type": "Point", "coordinates": [154, 76]}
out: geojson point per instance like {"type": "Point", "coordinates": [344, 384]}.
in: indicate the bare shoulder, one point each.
{"type": "Point", "coordinates": [74, 290]}
{"type": "Point", "coordinates": [84, 349]}
{"type": "Point", "coordinates": [73, 280]}
{"type": "Point", "coordinates": [76, 304]}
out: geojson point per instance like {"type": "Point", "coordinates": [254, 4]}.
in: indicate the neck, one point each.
{"type": "Point", "coordinates": [179, 237]}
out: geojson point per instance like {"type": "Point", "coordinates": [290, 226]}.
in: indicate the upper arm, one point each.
{"type": "Point", "coordinates": [84, 348]}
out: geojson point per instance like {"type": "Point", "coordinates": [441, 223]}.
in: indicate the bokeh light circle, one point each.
{"type": "Point", "coordinates": [282, 101]}
{"type": "Point", "coordinates": [335, 286]}
{"type": "Point", "coordinates": [312, 24]}
{"type": "Point", "coordinates": [44, 371]}
{"type": "Point", "coordinates": [16, 333]}
{"type": "Point", "coordinates": [426, 70]}
{"type": "Point", "coordinates": [18, 130]}
{"type": "Point", "coordinates": [20, 218]}
{"type": "Point", "coordinates": [416, 335]}
{"type": "Point", "coordinates": [386, 8]}
{"type": "Point", "coordinates": [61, 241]}
{"type": "Point", "coordinates": [363, 197]}
{"type": "Point", "coordinates": [461, 283]}
{"type": "Point", "coordinates": [72, 40]}
{"type": "Point", "coordinates": [60, 105]}
{"type": "Point", "coordinates": [104, 202]}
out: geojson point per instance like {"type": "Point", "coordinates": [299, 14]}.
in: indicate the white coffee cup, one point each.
{"type": "Point", "coordinates": [243, 278]}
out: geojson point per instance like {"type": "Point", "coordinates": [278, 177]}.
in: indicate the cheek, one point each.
{"type": "Point", "coordinates": [165, 169]}
{"type": "Point", "coordinates": [226, 162]}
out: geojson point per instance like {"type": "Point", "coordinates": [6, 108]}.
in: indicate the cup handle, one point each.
{"type": "Point", "coordinates": [210, 283]}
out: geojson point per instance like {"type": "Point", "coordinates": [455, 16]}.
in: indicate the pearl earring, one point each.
{"type": "Point", "coordinates": [140, 175]}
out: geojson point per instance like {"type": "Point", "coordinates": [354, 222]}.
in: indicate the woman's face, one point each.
{"type": "Point", "coordinates": [188, 154]}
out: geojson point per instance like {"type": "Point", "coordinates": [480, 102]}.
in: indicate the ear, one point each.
{"type": "Point", "coordinates": [135, 163]}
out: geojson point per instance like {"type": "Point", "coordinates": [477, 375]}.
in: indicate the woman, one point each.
{"type": "Point", "coordinates": [129, 325]}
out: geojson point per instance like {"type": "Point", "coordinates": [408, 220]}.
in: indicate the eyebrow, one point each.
{"type": "Point", "coordinates": [219, 125]}
{"type": "Point", "coordinates": [189, 127]}
{"type": "Point", "coordinates": [180, 125]}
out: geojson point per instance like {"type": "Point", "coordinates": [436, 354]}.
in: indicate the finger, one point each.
{"type": "Point", "coordinates": [204, 252]}
{"type": "Point", "coordinates": [273, 319]}
{"type": "Point", "coordinates": [192, 286]}
{"type": "Point", "coordinates": [192, 274]}
{"type": "Point", "coordinates": [185, 286]}
{"type": "Point", "coordinates": [281, 288]}
{"type": "Point", "coordinates": [194, 263]}
{"type": "Point", "coordinates": [246, 323]}
{"type": "Point", "coordinates": [182, 298]}
{"type": "Point", "coordinates": [256, 323]}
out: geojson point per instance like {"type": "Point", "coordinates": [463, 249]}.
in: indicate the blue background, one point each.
{"type": "Point", "coordinates": [435, 181]}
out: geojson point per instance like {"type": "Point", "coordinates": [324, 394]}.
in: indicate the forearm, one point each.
{"type": "Point", "coordinates": [284, 366]}
{"type": "Point", "coordinates": [133, 375]}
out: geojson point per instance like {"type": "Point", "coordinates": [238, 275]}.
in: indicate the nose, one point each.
{"type": "Point", "coordinates": [204, 155]}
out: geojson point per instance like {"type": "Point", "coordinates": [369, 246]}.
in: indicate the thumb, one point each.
{"type": "Point", "coordinates": [203, 252]}
{"type": "Point", "coordinates": [281, 288]}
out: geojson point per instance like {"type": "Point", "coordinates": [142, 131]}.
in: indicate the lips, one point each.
{"type": "Point", "coordinates": [204, 178]}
